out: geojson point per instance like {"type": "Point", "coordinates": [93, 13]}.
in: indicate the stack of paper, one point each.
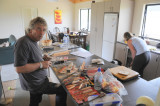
{"type": "Point", "coordinates": [83, 54]}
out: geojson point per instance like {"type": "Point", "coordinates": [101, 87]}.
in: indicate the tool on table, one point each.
{"type": "Point", "coordinates": [63, 60]}
{"type": "Point", "coordinates": [92, 84]}
{"type": "Point", "coordinates": [84, 74]}
{"type": "Point", "coordinates": [102, 94]}
{"type": "Point", "coordinates": [61, 53]}
{"type": "Point", "coordinates": [68, 76]}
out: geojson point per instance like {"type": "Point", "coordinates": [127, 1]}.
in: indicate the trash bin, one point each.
{"type": "Point", "coordinates": [87, 46]}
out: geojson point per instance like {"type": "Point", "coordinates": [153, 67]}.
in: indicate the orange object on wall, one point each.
{"type": "Point", "coordinates": [58, 16]}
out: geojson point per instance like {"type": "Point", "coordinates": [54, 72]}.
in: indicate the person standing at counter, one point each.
{"type": "Point", "coordinates": [32, 66]}
{"type": "Point", "coordinates": [140, 52]}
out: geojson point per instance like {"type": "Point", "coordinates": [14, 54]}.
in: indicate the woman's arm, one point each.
{"type": "Point", "coordinates": [131, 47]}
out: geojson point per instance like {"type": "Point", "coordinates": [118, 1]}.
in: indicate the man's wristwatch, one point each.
{"type": "Point", "coordinates": [41, 65]}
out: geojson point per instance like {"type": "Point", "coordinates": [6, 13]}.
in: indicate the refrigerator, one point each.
{"type": "Point", "coordinates": [109, 35]}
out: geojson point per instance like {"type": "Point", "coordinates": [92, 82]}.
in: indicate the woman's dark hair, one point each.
{"type": "Point", "coordinates": [127, 35]}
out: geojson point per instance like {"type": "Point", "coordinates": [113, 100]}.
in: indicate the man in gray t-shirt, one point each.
{"type": "Point", "coordinates": [31, 66]}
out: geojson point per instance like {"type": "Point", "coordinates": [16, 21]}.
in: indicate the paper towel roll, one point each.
{"type": "Point", "coordinates": [145, 100]}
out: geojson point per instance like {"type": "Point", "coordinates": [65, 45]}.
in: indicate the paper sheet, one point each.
{"type": "Point", "coordinates": [83, 54]}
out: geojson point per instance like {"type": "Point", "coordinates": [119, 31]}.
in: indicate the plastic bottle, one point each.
{"type": "Point", "coordinates": [68, 41]}
{"type": "Point", "coordinates": [65, 39]}
{"type": "Point", "coordinates": [98, 79]}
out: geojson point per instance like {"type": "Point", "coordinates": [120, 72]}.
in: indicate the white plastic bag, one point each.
{"type": "Point", "coordinates": [111, 84]}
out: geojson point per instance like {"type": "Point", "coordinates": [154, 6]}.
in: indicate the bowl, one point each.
{"type": "Point", "coordinates": [46, 42]}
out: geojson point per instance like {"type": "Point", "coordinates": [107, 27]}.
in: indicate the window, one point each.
{"type": "Point", "coordinates": [85, 19]}
{"type": "Point", "coordinates": [151, 22]}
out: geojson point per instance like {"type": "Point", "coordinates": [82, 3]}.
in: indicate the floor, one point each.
{"type": "Point", "coordinates": [9, 93]}
{"type": "Point", "coordinates": [10, 87]}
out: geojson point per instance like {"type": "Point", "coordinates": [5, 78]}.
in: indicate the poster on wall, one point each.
{"type": "Point", "coordinates": [58, 16]}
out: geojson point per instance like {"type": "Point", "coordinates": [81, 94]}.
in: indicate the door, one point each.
{"type": "Point", "coordinates": [110, 27]}
{"type": "Point", "coordinates": [93, 28]}
{"type": "Point", "coordinates": [109, 36]}
{"type": "Point", "coordinates": [115, 5]}
{"type": "Point", "coordinates": [107, 6]}
{"type": "Point", "coordinates": [158, 69]}
{"type": "Point", "coordinates": [27, 15]}
{"type": "Point", "coordinates": [108, 51]}
{"type": "Point", "coordinates": [100, 21]}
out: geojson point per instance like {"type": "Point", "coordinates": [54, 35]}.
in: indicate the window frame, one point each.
{"type": "Point", "coordinates": [87, 18]}
{"type": "Point", "coordinates": [144, 22]}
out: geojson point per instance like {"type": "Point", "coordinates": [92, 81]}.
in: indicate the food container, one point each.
{"type": "Point", "coordinates": [46, 42]}
{"type": "Point", "coordinates": [108, 100]}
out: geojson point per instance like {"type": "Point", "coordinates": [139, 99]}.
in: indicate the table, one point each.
{"type": "Point", "coordinates": [79, 40]}
{"type": "Point", "coordinates": [136, 88]}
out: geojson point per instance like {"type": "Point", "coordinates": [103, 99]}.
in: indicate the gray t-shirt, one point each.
{"type": "Point", "coordinates": [27, 51]}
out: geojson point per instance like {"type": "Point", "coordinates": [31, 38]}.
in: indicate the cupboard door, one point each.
{"type": "Point", "coordinates": [121, 53]}
{"type": "Point", "coordinates": [107, 6]}
{"type": "Point", "coordinates": [158, 69]}
{"type": "Point", "coordinates": [99, 35]}
{"type": "Point", "coordinates": [115, 6]}
{"type": "Point", "coordinates": [151, 69]}
{"type": "Point", "coordinates": [93, 28]}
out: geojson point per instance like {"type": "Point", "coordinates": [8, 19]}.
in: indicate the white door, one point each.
{"type": "Point", "coordinates": [27, 15]}
{"type": "Point", "coordinates": [110, 27]}
{"type": "Point", "coordinates": [108, 50]}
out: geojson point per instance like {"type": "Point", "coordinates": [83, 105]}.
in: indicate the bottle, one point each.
{"type": "Point", "coordinates": [98, 79]}
{"type": "Point", "coordinates": [68, 31]}
{"type": "Point", "coordinates": [68, 41]}
{"type": "Point", "coordinates": [65, 39]}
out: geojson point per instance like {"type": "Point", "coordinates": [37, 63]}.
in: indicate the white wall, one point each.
{"type": "Point", "coordinates": [79, 6]}
{"type": "Point", "coordinates": [125, 18]}
{"type": "Point", "coordinates": [11, 15]}
{"type": "Point", "coordinates": [138, 14]}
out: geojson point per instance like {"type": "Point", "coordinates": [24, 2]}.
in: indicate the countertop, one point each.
{"type": "Point", "coordinates": [135, 88]}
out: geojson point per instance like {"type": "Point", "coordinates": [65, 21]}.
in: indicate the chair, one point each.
{"type": "Point", "coordinates": [53, 37]}
{"type": "Point", "coordinates": [6, 53]}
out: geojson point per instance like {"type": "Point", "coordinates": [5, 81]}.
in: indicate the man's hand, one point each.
{"type": "Point", "coordinates": [46, 58]}
{"type": "Point", "coordinates": [46, 64]}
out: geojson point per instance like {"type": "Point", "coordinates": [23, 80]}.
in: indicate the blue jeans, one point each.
{"type": "Point", "coordinates": [49, 88]}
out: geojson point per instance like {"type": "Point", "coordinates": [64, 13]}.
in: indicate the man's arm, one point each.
{"type": "Point", "coordinates": [32, 67]}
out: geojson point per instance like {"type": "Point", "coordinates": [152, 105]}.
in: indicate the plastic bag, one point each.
{"type": "Point", "coordinates": [111, 84]}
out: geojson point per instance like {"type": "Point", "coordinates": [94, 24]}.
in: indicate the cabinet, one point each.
{"type": "Point", "coordinates": [97, 17]}
{"type": "Point", "coordinates": [152, 70]}
{"type": "Point", "coordinates": [112, 6]}
{"type": "Point", "coordinates": [121, 53]}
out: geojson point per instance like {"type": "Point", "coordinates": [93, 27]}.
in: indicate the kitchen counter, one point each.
{"type": "Point", "coordinates": [135, 88]}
